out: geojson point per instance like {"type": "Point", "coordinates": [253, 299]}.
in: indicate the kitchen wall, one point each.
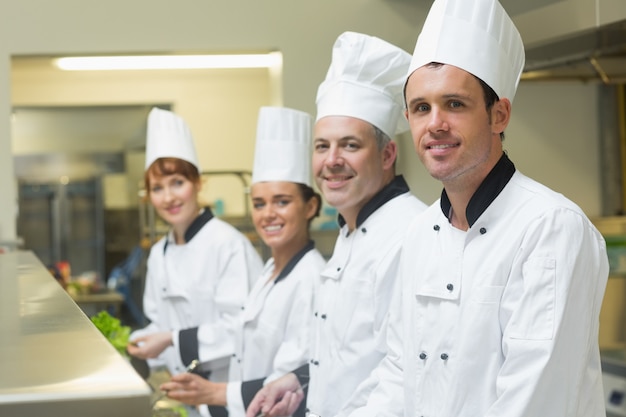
{"type": "Point", "coordinates": [551, 136]}
{"type": "Point", "coordinates": [213, 102]}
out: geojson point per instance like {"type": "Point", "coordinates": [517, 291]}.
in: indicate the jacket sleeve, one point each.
{"type": "Point", "coordinates": [550, 318]}
{"type": "Point", "coordinates": [240, 266]}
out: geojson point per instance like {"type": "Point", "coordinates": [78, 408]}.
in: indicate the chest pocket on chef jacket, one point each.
{"type": "Point", "coordinates": [534, 318]}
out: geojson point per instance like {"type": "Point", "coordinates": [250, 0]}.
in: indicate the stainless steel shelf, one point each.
{"type": "Point", "coordinates": [53, 360]}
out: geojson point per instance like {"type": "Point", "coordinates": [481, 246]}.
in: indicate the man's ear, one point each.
{"type": "Point", "coordinates": [500, 115]}
{"type": "Point", "coordinates": [390, 153]}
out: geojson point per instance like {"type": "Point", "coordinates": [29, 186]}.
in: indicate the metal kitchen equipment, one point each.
{"type": "Point", "coordinates": [53, 360]}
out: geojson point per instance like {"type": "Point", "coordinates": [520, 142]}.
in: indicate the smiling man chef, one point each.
{"type": "Point", "coordinates": [503, 278]}
{"type": "Point", "coordinates": [359, 110]}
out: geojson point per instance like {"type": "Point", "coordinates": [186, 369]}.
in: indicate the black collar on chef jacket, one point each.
{"type": "Point", "coordinates": [395, 188]}
{"type": "Point", "coordinates": [487, 191]}
{"type": "Point", "coordinates": [195, 226]}
{"type": "Point", "coordinates": [294, 261]}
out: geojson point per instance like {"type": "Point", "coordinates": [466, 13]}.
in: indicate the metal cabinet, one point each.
{"type": "Point", "coordinates": [64, 222]}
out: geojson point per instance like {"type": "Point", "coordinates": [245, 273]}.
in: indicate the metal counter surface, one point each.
{"type": "Point", "coordinates": [53, 360]}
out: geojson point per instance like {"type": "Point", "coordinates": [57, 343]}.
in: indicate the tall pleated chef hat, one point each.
{"type": "Point", "coordinates": [365, 80]}
{"type": "Point", "coordinates": [283, 146]}
{"type": "Point", "coordinates": [477, 36]}
{"type": "Point", "coordinates": [169, 137]}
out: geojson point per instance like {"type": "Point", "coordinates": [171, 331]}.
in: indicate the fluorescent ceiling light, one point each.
{"type": "Point", "coordinates": [146, 62]}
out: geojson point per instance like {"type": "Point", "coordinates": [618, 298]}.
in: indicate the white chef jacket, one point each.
{"type": "Point", "coordinates": [354, 298]}
{"type": "Point", "coordinates": [501, 319]}
{"type": "Point", "coordinates": [274, 334]}
{"type": "Point", "coordinates": [200, 285]}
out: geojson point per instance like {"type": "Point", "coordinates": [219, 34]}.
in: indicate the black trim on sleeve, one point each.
{"type": "Point", "coordinates": [302, 373]}
{"type": "Point", "coordinates": [188, 345]}
{"type": "Point", "coordinates": [218, 411]}
{"type": "Point", "coordinates": [249, 390]}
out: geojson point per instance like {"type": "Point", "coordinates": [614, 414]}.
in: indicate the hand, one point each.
{"type": "Point", "coordinates": [149, 346]}
{"type": "Point", "coordinates": [278, 398]}
{"type": "Point", "coordinates": [194, 390]}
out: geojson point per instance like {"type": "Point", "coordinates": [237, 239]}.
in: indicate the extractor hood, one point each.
{"type": "Point", "coordinates": [597, 54]}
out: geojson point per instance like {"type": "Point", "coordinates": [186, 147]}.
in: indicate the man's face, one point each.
{"type": "Point", "coordinates": [455, 136]}
{"type": "Point", "coordinates": [348, 167]}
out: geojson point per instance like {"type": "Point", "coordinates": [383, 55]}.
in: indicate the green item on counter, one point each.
{"type": "Point", "coordinates": [182, 411]}
{"type": "Point", "coordinates": [178, 411]}
{"type": "Point", "coordinates": [113, 330]}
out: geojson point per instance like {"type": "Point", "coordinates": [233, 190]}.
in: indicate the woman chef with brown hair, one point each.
{"type": "Point", "coordinates": [199, 274]}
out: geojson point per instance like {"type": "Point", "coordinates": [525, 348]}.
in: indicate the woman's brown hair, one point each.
{"type": "Point", "coordinates": [307, 194]}
{"type": "Point", "coordinates": [170, 166]}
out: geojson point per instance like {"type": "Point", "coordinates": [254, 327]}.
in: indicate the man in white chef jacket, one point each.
{"type": "Point", "coordinates": [502, 278]}
{"type": "Point", "coordinates": [359, 110]}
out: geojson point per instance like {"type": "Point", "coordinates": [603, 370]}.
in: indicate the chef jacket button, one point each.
{"type": "Point", "coordinates": [436, 227]}
{"type": "Point", "coordinates": [364, 230]}
{"type": "Point", "coordinates": [234, 354]}
{"type": "Point", "coordinates": [450, 287]}
{"type": "Point", "coordinates": [444, 356]}
{"type": "Point", "coordinates": [315, 363]}
{"type": "Point", "coordinates": [164, 289]}
{"type": "Point", "coordinates": [338, 268]}
{"type": "Point", "coordinates": [482, 230]}
{"type": "Point", "coordinates": [315, 314]}
{"type": "Point", "coordinates": [423, 355]}
{"type": "Point", "coordinates": [323, 316]}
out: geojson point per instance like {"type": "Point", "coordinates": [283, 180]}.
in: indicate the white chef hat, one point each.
{"type": "Point", "coordinates": [365, 80]}
{"type": "Point", "coordinates": [283, 146]}
{"type": "Point", "coordinates": [169, 137]}
{"type": "Point", "coordinates": [477, 36]}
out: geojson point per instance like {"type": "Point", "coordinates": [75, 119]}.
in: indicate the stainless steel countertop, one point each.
{"type": "Point", "coordinates": [53, 361]}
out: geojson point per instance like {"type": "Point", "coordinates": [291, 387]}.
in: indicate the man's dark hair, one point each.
{"type": "Point", "coordinates": [490, 98]}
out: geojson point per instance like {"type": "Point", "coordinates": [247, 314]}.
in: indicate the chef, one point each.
{"type": "Point", "coordinates": [359, 110]}
{"type": "Point", "coordinates": [198, 274]}
{"type": "Point", "coordinates": [502, 278]}
{"type": "Point", "coordinates": [274, 334]}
